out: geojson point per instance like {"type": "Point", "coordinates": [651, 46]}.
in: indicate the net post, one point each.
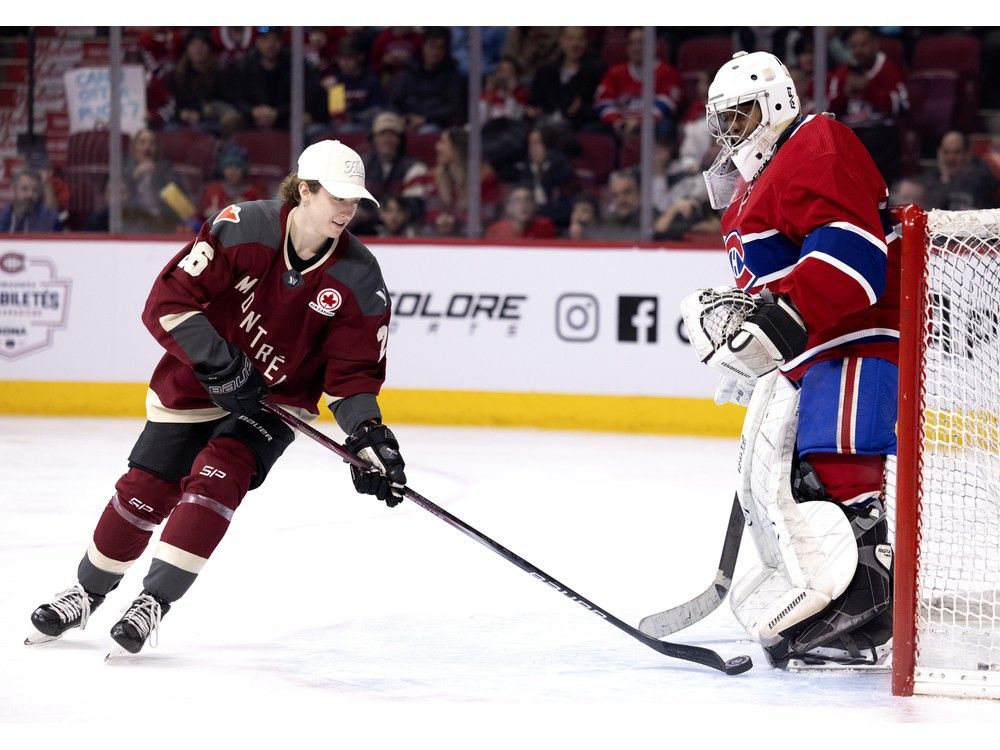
{"type": "Point", "coordinates": [912, 323]}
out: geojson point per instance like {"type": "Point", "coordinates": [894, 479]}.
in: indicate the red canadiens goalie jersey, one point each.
{"type": "Point", "coordinates": [814, 226]}
{"type": "Point", "coordinates": [320, 331]}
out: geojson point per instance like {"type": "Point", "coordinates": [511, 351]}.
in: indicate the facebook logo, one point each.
{"type": "Point", "coordinates": [637, 319]}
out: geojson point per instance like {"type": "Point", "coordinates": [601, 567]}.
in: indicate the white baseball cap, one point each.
{"type": "Point", "coordinates": [337, 167]}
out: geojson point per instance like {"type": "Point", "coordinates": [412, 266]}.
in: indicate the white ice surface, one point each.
{"type": "Point", "coordinates": [327, 618]}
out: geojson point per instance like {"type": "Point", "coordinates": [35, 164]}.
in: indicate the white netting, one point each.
{"type": "Point", "coordinates": [958, 568]}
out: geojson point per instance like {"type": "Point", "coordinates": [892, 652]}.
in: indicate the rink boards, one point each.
{"type": "Point", "coordinates": [567, 337]}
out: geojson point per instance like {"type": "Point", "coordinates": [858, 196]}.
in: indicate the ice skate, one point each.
{"type": "Point", "coordinates": [140, 622]}
{"type": "Point", "coordinates": [70, 609]}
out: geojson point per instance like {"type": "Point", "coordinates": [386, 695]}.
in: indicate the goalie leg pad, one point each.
{"type": "Point", "coordinates": [807, 550]}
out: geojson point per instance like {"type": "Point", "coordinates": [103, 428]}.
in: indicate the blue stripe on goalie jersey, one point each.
{"type": "Point", "coordinates": [851, 249]}
{"type": "Point", "coordinates": [761, 258]}
{"type": "Point", "coordinates": [819, 412]}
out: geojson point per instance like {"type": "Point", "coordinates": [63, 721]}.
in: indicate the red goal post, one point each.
{"type": "Point", "coordinates": [946, 638]}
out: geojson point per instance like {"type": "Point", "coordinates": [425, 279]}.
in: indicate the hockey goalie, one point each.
{"type": "Point", "coordinates": [808, 340]}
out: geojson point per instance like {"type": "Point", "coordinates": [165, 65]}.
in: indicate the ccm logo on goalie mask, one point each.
{"type": "Point", "coordinates": [744, 277]}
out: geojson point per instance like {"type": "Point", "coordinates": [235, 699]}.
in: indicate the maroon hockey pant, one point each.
{"type": "Point", "coordinates": [198, 508]}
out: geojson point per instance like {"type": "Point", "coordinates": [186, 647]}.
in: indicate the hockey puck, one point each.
{"type": "Point", "coordinates": [738, 665]}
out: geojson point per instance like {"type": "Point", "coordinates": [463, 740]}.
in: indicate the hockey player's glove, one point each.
{"type": "Point", "coordinates": [237, 388]}
{"type": "Point", "coordinates": [772, 335]}
{"type": "Point", "coordinates": [376, 444]}
{"type": "Point", "coordinates": [743, 335]}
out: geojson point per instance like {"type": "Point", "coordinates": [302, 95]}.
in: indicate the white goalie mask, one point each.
{"type": "Point", "coordinates": [750, 103]}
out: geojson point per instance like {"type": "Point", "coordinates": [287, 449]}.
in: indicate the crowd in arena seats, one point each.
{"type": "Point", "coordinates": [560, 113]}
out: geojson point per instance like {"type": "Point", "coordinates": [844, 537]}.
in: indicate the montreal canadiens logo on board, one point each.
{"type": "Point", "coordinates": [327, 302]}
{"type": "Point", "coordinates": [229, 213]}
{"type": "Point", "coordinates": [744, 277]}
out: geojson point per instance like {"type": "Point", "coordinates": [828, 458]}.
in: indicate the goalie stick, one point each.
{"type": "Point", "coordinates": [684, 615]}
{"type": "Point", "coordinates": [696, 654]}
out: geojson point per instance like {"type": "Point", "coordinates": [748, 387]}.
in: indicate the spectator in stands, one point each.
{"type": "Point", "coordinates": [532, 47]}
{"type": "Point", "coordinates": [233, 42]}
{"type": "Point", "coordinates": [503, 95]}
{"type": "Point", "coordinates": [259, 85]}
{"type": "Point", "coordinates": [621, 218]}
{"type": "Point", "coordinates": [520, 219]}
{"type": "Point", "coordinates": [564, 90]}
{"type": "Point", "coordinates": [27, 211]}
{"type": "Point", "coordinates": [100, 219]}
{"type": "Point", "coordinates": [235, 185]}
{"type": "Point", "coordinates": [803, 73]}
{"type": "Point", "coordinates": [195, 85]}
{"type": "Point", "coordinates": [492, 39]}
{"type": "Point", "coordinates": [960, 180]}
{"type": "Point", "coordinates": [431, 94]}
{"type": "Point", "coordinates": [395, 219]}
{"type": "Point", "coordinates": [618, 100]}
{"type": "Point", "coordinates": [447, 200]}
{"type": "Point", "coordinates": [389, 170]}
{"type": "Point", "coordinates": [550, 176]}
{"type": "Point", "coordinates": [582, 217]}
{"type": "Point", "coordinates": [394, 49]}
{"type": "Point", "coordinates": [55, 190]}
{"type": "Point", "coordinates": [354, 94]}
{"type": "Point", "coordinates": [908, 190]}
{"type": "Point", "coordinates": [153, 205]}
{"type": "Point", "coordinates": [869, 96]}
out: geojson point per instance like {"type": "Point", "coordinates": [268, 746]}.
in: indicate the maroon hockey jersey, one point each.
{"type": "Point", "coordinates": [320, 331]}
{"type": "Point", "coordinates": [815, 226]}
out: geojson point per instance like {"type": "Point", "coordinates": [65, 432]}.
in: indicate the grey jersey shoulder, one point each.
{"type": "Point", "coordinates": [358, 270]}
{"type": "Point", "coordinates": [255, 221]}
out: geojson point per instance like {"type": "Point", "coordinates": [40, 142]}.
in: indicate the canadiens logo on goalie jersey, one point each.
{"type": "Point", "coordinates": [744, 277]}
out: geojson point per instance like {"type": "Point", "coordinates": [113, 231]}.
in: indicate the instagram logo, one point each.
{"type": "Point", "coordinates": [577, 317]}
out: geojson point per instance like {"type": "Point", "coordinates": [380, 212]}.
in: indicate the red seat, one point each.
{"type": "Point", "coordinates": [598, 153]}
{"type": "Point", "coordinates": [423, 147]}
{"type": "Point", "coordinates": [190, 147]}
{"type": "Point", "coordinates": [86, 192]}
{"type": "Point", "coordinates": [614, 48]}
{"type": "Point", "coordinates": [356, 139]}
{"type": "Point", "coordinates": [933, 98]}
{"type": "Point", "coordinates": [630, 152]}
{"type": "Point", "coordinates": [893, 48]}
{"type": "Point", "coordinates": [957, 52]}
{"type": "Point", "coordinates": [270, 156]}
{"type": "Point", "coordinates": [987, 148]}
{"type": "Point", "coordinates": [91, 147]}
{"type": "Point", "coordinates": [705, 53]}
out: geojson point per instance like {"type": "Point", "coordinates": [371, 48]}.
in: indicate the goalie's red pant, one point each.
{"type": "Point", "coordinates": [199, 508]}
{"type": "Point", "coordinates": [848, 477]}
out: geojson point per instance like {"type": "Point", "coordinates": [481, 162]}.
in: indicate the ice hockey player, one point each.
{"type": "Point", "coordinates": [271, 298]}
{"type": "Point", "coordinates": [815, 262]}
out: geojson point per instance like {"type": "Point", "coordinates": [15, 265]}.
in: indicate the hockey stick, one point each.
{"type": "Point", "coordinates": [695, 654]}
{"type": "Point", "coordinates": [683, 615]}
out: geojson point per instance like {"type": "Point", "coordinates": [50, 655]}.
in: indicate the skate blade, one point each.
{"type": "Point", "coordinates": [37, 637]}
{"type": "Point", "coordinates": [115, 653]}
{"type": "Point", "coordinates": [881, 663]}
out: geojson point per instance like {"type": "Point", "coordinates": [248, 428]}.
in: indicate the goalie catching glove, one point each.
{"type": "Point", "coordinates": [376, 444]}
{"type": "Point", "coordinates": [743, 335]}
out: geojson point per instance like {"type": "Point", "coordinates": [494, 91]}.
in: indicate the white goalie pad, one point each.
{"type": "Point", "coordinates": [808, 554]}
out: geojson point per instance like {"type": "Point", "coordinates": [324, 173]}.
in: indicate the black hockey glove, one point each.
{"type": "Point", "coordinates": [237, 388]}
{"type": "Point", "coordinates": [376, 444]}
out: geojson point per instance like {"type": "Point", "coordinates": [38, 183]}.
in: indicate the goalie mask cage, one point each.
{"type": "Point", "coordinates": [946, 638]}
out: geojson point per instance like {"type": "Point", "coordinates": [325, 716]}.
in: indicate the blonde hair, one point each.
{"type": "Point", "coordinates": [288, 190]}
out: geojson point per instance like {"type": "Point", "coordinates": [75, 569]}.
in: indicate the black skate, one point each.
{"type": "Point", "coordinates": [140, 621]}
{"type": "Point", "coordinates": [70, 609]}
{"type": "Point", "coordinates": [855, 631]}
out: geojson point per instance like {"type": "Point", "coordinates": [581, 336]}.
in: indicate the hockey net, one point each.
{"type": "Point", "coordinates": [946, 482]}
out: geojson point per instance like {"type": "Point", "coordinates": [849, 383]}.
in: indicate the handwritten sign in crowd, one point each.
{"type": "Point", "coordinates": [88, 98]}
